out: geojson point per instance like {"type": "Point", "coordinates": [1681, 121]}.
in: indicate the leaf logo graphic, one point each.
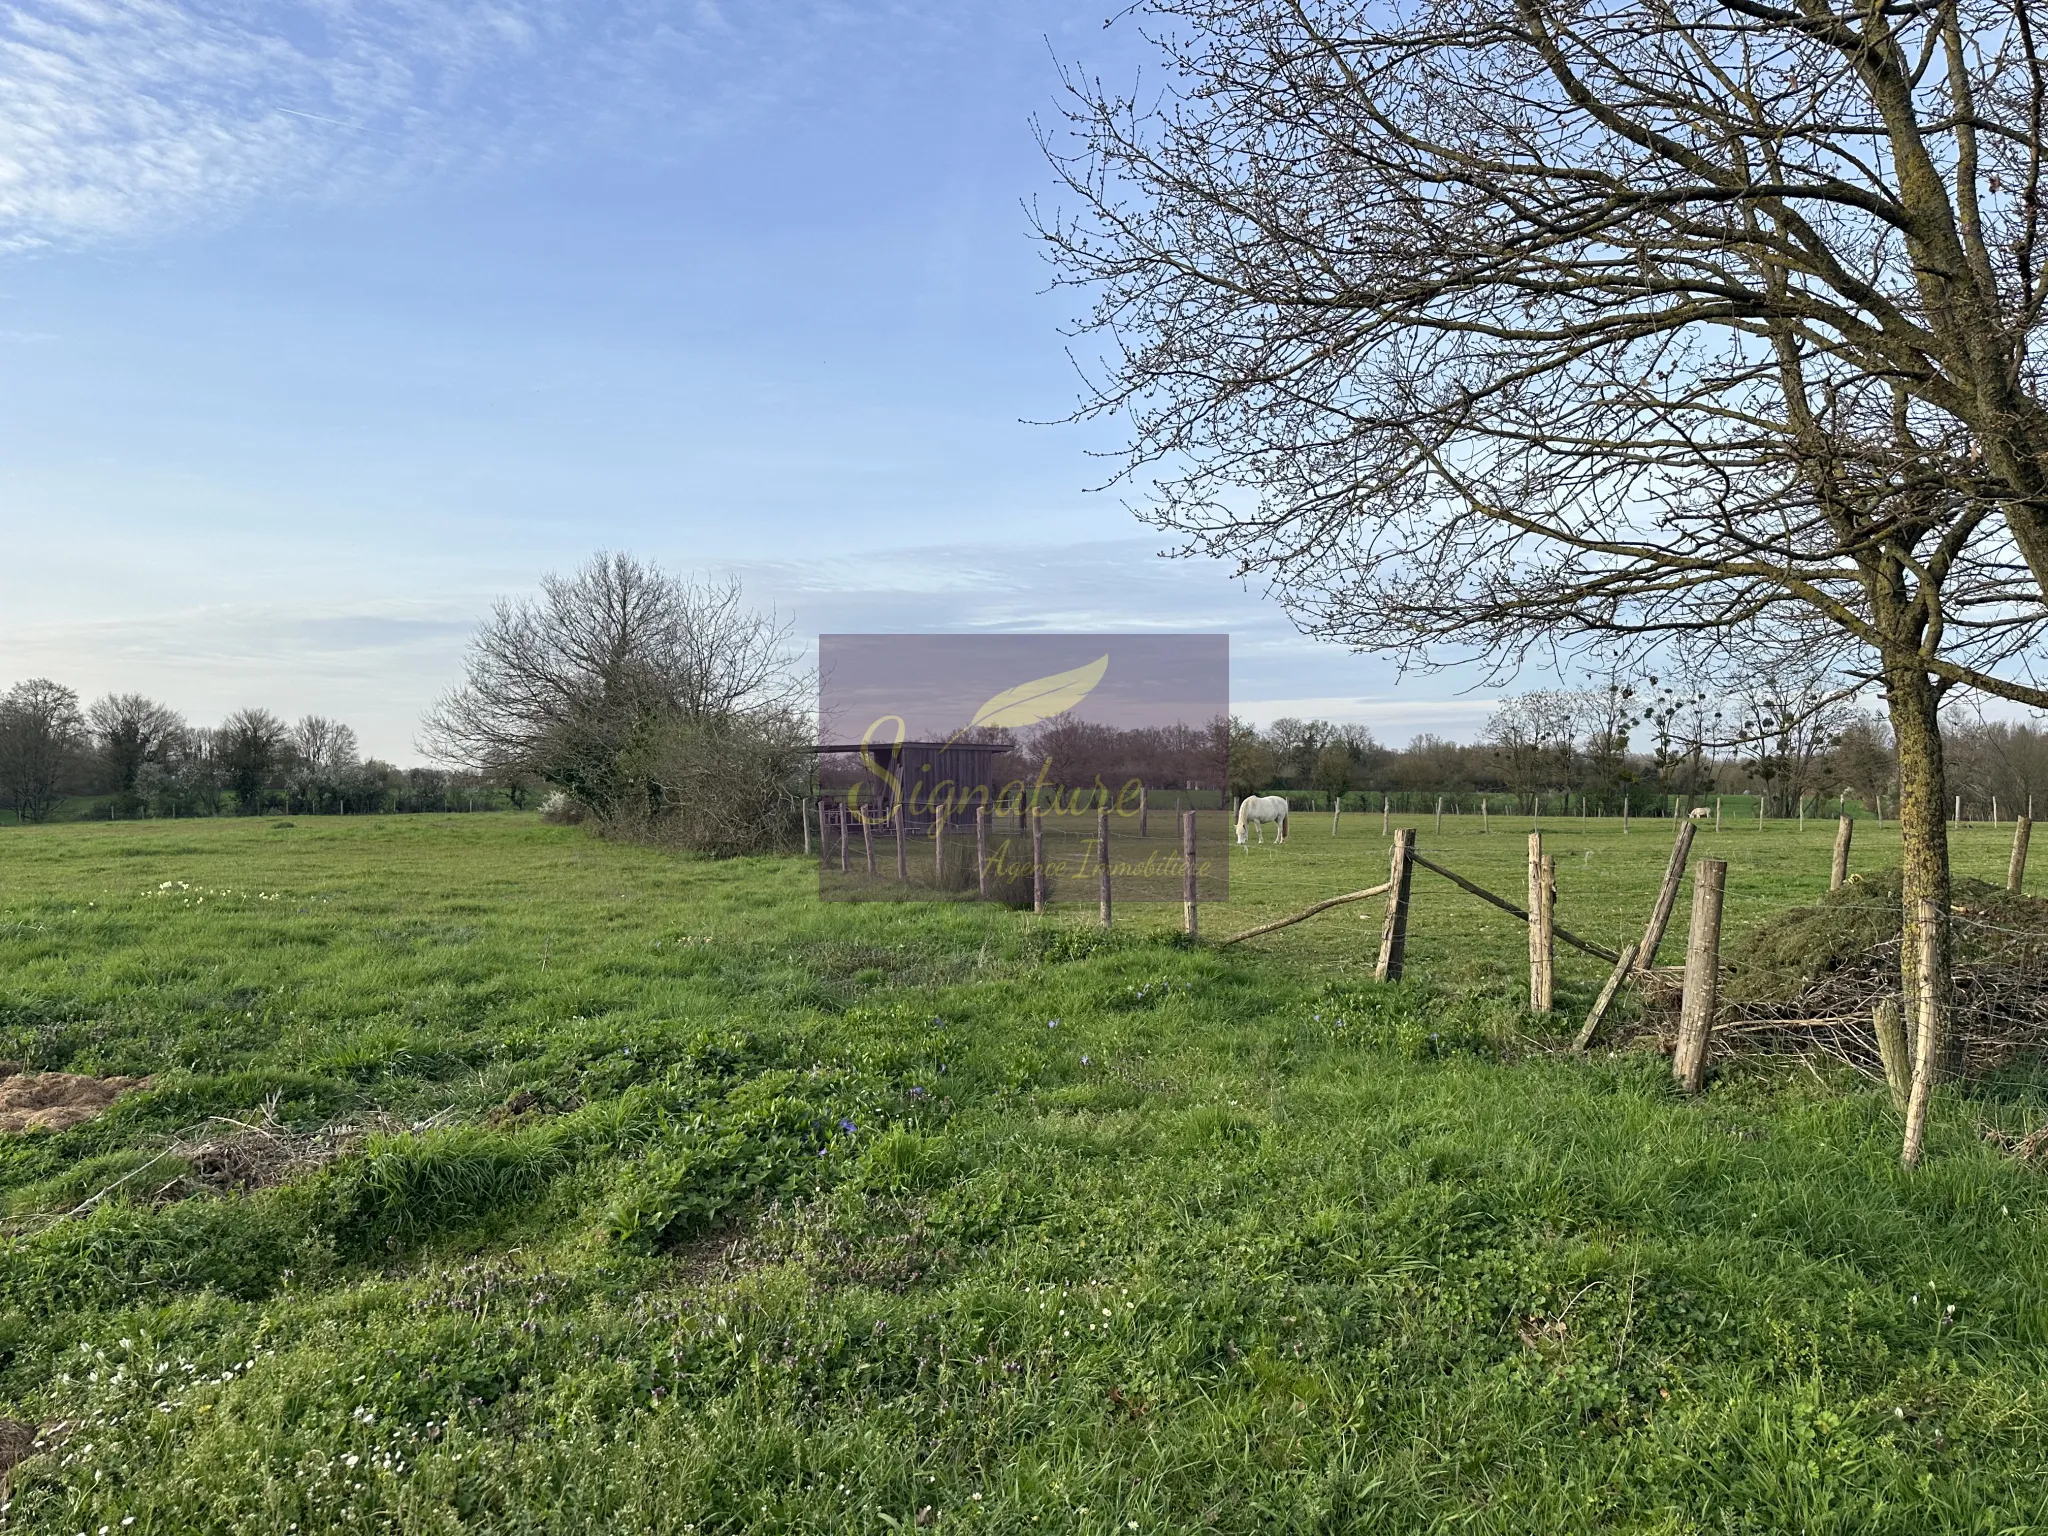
{"type": "Point", "coordinates": [1041, 698]}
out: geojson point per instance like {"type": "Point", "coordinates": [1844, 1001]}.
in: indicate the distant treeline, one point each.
{"type": "Point", "coordinates": [1601, 749]}
{"type": "Point", "coordinates": [135, 757]}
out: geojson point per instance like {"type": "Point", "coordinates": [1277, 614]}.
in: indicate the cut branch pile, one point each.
{"type": "Point", "coordinates": [1812, 978]}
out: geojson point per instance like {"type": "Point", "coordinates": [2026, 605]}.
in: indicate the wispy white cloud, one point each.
{"type": "Point", "coordinates": [122, 118]}
{"type": "Point", "coordinates": [118, 117]}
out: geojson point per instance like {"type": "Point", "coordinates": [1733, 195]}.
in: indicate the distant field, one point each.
{"type": "Point", "coordinates": [668, 1198]}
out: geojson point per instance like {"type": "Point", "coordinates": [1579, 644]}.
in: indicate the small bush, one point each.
{"type": "Point", "coordinates": [562, 811]}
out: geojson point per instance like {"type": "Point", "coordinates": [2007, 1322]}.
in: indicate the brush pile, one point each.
{"type": "Point", "coordinates": [1810, 978]}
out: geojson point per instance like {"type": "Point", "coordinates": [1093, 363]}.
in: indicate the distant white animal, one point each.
{"type": "Point", "coordinates": [1700, 813]}
{"type": "Point", "coordinates": [1257, 810]}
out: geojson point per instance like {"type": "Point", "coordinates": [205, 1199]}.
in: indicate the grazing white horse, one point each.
{"type": "Point", "coordinates": [1257, 810]}
{"type": "Point", "coordinates": [1699, 813]}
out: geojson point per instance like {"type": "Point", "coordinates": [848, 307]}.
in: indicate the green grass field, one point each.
{"type": "Point", "coordinates": [676, 1200]}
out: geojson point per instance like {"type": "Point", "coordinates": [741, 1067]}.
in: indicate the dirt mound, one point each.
{"type": "Point", "coordinates": [55, 1101]}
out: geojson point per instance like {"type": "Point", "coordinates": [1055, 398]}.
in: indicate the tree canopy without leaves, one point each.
{"type": "Point", "coordinates": [42, 735]}
{"type": "Point", "coordinates": [250, 746]}
{"type": "Point", "coordinates": [1491, 326]}
{"type": "Point", "coordinates": [130, 732]}
{"type": "Point", "coordinates": [574, 685]}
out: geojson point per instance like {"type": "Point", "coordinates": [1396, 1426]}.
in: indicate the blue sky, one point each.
{"type": "Point", "coordinates": [324, 322]}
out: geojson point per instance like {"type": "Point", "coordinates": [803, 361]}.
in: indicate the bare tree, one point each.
{"type": "Point", "coordinates": [2001, 763]}
{"type": "Point", "coordinates": [41, 737]}
{"type": "Point", "coordinates": [251, 747]}
{"type": "Point", "coordinates": [321, 754]}
{"type": "Point", "coordinates": [1788, 721]}
{"type": "Point", "coordinates": [130, 732]}
{"type": "Point", "coordinates": [325, 746]}
{"type": "Point", "coordinates": [1525, 324]}
{"type": "Point", "coordinates": [572, 686]}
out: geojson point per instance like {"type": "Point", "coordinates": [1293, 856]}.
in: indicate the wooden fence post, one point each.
{"type": "Point", "coordinates": [1144, 824]}
{"type": "Point", "coordinates": [1717, 813]}
{"type": "Point", "coordinates": [981, 850]}
{"type": "Point", "coordinates": [939, 848]}
{"type": "Point", "coordinates": [1606, 998]}
{"type": "Point", "coordinates": [2016, 871]}
{"type": "Point", "coordinates": [1336, 810]}
{"type": "Point", "coordinates": [1394, 931]}
{"type": "Point", "coordinates": [1540, 921]}
{"type": "Point", "coordinates": [1702, 977]}
{"type": "Point", "coordinates": [1667, 896]}
{"type": "Point", "coordinates": [1102, 861]}
{"type": "Point", "coordinates": [1386, 812]}
{"type": "Point", "coordinates": [1485, 821]}
{"type": "Point", "coordinates": [841, 819]}
{"type": "Point", "coordinates": [1037, 861]}
{"type": "Point", "coordinates": [1624, 813]}
{"type": "Point", "coordinates": [902, 849]}
{"type": "Point", "coordinates": [1838, 875]}
{"type": "Point", "coordinates": [867, 842]}
{"type": "Point", "coordinates": [1439, 813]}
{"type": "Point", "coordinates": [803, 811]}
{"type": "Point", "coordinates": [1894, 1051]}
{"type": "Point", "coordinates": [1187, 872]}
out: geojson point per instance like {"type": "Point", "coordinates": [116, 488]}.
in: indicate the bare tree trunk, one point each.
{"type": "Point", "coordinates": [1923, 834]}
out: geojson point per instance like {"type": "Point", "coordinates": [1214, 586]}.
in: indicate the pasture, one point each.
{"type": "Point", "coordinates": [582, 1187]}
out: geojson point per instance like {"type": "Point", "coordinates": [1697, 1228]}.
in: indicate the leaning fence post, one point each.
{"type": "Point", "coordinates": [1394, 931]}
{"type": "Point", "coordinates": [902, 850]}
{"type": "Point", "coordinates": [1893, 1051]}
{"type": "Point", "coordinates": [981, 849]}
{"type": "Point", "coordinates": [1667, 896]}
{"type": "Point", "coordinates": [2016, 871]}
{"type": "Point", "coordinates": [1605, 1000]}
{"type": "Point", "coordinates": [867, 841]}
{"type": "Point", "coordinates": [1702, 977]}
{"type": "Point", "coordinates": [1187, 872]}
{"type": "Point", "coordinates": [1102, 861]}
{"type": "Point", "coordinates": [1838, 875]}
{"type": "Point", "coordinates": [1037, 860]}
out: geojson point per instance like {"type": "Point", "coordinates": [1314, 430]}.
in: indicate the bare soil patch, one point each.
{"type": "Point", "coordinates": [56, 1101]}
